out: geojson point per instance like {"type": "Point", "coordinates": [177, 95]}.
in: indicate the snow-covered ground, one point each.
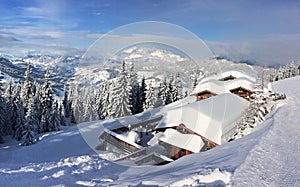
{"type": "Point", "coordinates": [267, 157]}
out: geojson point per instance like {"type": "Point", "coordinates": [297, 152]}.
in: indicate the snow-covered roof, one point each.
{"type": "Point", "coordinates": [237, 74]}
{"type": "Point", "coordinates": [220, 87]}
{"type": "Point", "coordinates": [181, 102]}
{"type": "Point", "coordinates": [123, 138]}
{"type": "Point", "coordinates": [239, 82]}
{"type": "Point", "coordinates": [152, 159]}
{"type": "Point", "coordinates": [210, 118]}
{"type": "Point", "coordinates": [234, 73]}
{"type": "Point", "coordinates": [189, 142]}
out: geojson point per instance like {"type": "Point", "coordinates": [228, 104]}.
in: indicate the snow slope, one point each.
{"type": "Point", "coordinates": [267, 157]}
{"type": "Point", "coordinates": [275, 160]}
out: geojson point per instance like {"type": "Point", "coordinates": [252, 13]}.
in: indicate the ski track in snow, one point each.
{"type": "Point", "coordinates": [274, 161]}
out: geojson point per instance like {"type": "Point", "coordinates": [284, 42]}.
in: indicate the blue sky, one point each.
{"type": "Point", "coordinates": [231, 25]}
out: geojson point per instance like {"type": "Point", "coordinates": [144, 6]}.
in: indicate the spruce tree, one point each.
{"type": "Point", "coordinates": [16, 102]}
{"type": "Point", "coordinates": [46, 102]}
{"type": "Point", "coordinates": [9, 107]}
{"type": "Point", "coordinates": [37, 107]}
{"type": "Point", "coordinates": [68, 115]}
{"type": "Point", "coordinates": [65, 103]}
{"type": "Point", "coordinates": [70, 108]}
{"type": "Point", "coordinates": [163, 92]}
{"type": "Point", "coordinates": [20, 119]}
{"type": "Point", "coordinates": [150, 98]}
{"type": "Point", "coordinates": [172, 92]}
{"type": "Point", "coordinates": [88, 105]}
{"type": "Point", "coordinates": [143, 90]}
{"type": "Point", "coordinates": [135, 99]}
{"type": "Point", "coordinates": [178, 86]}
{"type": "Point", "coordinates": [27, 93]}
{"type": "Point", "coordinates": [134, 93]}
{"type": "Point", "coordinates": [99, 103]}
{"type": "Point", "coordinates": [158, 101]}
{"type": "Point", "coordinates": [132, 76]}
{"type": "Point", "coordinates": [28, 132]}
{"type": "Point", "coordinates": [76, 102]}
{"type": "Point", "coordinates": [2, 117]}
{"type": "Point", "coordinates": [55, 118]}
{"type": "Point", "coordinates": [121, 94]}
{"type": "Point", "coordinates": [106, 101]}
{"type": "Point", "coordinates": [258, 101]}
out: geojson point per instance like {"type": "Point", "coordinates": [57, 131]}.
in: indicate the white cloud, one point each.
{"type": "Point", "coordinates": [37, 10]}
{"type": "Point", "coordinates": [267, 50]}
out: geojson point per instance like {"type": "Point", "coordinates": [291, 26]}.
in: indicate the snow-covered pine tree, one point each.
{"type": "Point", "coordinates": [135, 99]}
{"type": "Point", "coordinates": [20, 116]}
{"type": "Point", "coordinates": [64, 107]}
{"type": "Point", "coordinates": [132, 76]}
{"type": "Point", "coordinates": [163, 92]}
{"type": "Point", "coordinates": [61, 113]}
{"type": "Point", "coordinates": [76, 100]}
{"type": "Point", "coordinates": [121, 94]}
{"type": "Point", "coordinates": [15, 99]}
{"type": "Point", "coordinates": [99, 103]}
{"type": "Point", "coordinates": [170, 92]}
{"type": "Point", "coordinates": [158, 97]}
{"type": "Point", "coordinates": [134, 91]}
{"type": "Point", "coordinates": [195, 82]}
{"type": "Point", "coordinates": [258, 101]}
{"type": "Point", "coordinates": [196, 76]}
{"type": "Point", "coordinates": [28, 133]}
{"type": "Point", "coordinates": [178, 86]}
{"type": "Point", "coordinates": [94, 115]}
{"type": "Point", "coordinates": [150, 98]}
{"type": "Point", "coordinates": [143, 90]}
{"type": "Point", "coordinates": [89, 104]}
{"type": "Point", "coordinates": [9, 104]}
{"type": "Point", "coordinates": [47, 102]}
{"type": "Point", "coordinates": [37, 107]}
{"type": "Point", "coordinates": [106, 101]}
{"type": "Point", "coordinates": [112, 103]}
{"type": "Point", "coordinates": [67, 114]}
{"type": "Point", "coordinates": [2, 117]}
{"type": "Point", "coordinates": [55, 118]}
{"type": "Point", "coordinates": [26, 92]}
{"type": "Point", "coordinates": [292, 69]}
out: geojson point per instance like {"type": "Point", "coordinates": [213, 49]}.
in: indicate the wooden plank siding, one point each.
{"type": "Point", "coordinates": [204, 95]}
{"type": "Point", "coordinates": [177, 152]}
{"type": "Point", "coordinates": [182, 128]}
{"type": "Point", "coordinates": [228, 78]}
{"type": "Point", "coordinates": [242, 92]}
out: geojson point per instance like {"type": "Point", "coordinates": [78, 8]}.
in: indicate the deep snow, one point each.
{"type": "Point", "coordinates": [267, 157]}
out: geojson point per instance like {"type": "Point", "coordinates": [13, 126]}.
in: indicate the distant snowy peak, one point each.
{"type": "Point", "coordinates": [48, 60]}
{"type": "Point", "coordinates": [150, 55]}
{"type": "Point", "coordinates": [154, 62]}
{"type": "Point", "coordinates": [62, 68]}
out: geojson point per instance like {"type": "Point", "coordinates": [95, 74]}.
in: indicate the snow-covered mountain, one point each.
{"type": "Point", "coordinates": [62, 68]}
{"type": "Point", "coordinates": [267, 157]}
{"type": "Point", "coordinates": [151, 62]}
{"type": "Point", "coordinates": [155, 62]}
